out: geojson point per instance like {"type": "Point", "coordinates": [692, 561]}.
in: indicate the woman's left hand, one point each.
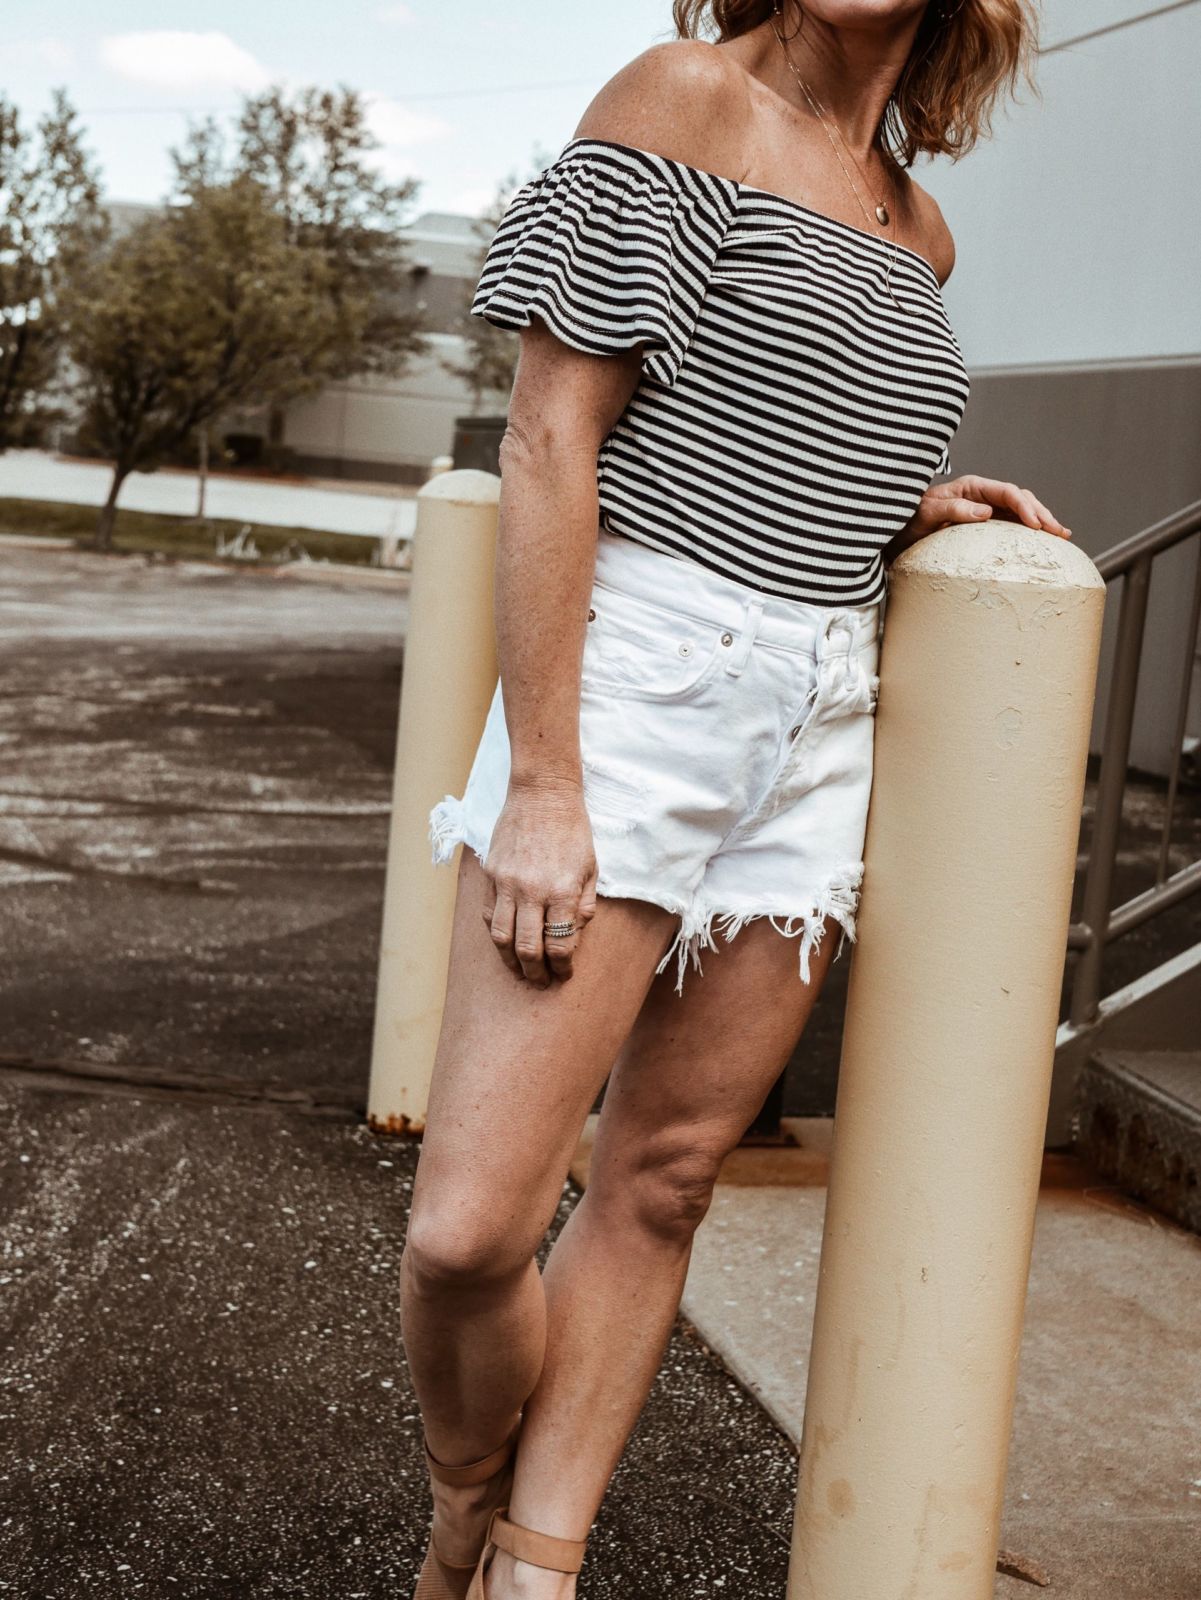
{"type": "Point", "coordinates": [973, 499]}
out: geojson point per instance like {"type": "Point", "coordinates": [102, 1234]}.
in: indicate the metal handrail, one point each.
{"type": "Point", "coordinates": [1100, 922]}
{"type": "Point", "coordinates": [1151, 541]}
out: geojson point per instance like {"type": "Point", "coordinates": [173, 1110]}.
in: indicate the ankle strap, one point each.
{"type": "Point", "coordinates": [539, 1549]}
{"type": "Point", "coordinates": [472, 1471]}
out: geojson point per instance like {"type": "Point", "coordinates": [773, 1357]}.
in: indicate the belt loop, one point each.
{"type": "Point", "coordinates": [835, 621]}
{"type": "Point", "coordinates": [753, 612]}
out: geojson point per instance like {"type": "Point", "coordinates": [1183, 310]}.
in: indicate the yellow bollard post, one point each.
{"type": "Point", "coordinates": [988, 671]}
{"type": "Point", "coordinates": [449, 678]}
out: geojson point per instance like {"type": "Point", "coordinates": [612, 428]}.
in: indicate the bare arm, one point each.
{"type": "Point", "coordinates": [564, 404]}
{"type": "Point", "coordinates": [541, 863]}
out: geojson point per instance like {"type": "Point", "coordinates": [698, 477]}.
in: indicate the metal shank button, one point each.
{"type": "Point", "coordinates": [727, 638]}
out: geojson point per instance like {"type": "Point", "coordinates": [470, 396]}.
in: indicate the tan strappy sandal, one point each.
{"type": "Point", "coordinates": [539, 1549]}
{"type": "Point", "coordinates": [449, 1580]}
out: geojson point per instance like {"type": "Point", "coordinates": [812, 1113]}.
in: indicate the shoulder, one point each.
{"type": "Point", "coordinates": [937, 243]}
{"type": "Point", "coordinates": [686, 100]}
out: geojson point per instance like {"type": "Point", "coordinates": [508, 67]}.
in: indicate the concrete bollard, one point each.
{"type": "Point", "coordinates": [988, 671]}
{"type": "Point", "coordinates": [449, 678]}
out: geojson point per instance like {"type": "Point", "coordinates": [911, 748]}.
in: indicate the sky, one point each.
{"type": "Point", "coordinates": [461, 95]}
{"type": "Point", "coordinates": [1073, 242]}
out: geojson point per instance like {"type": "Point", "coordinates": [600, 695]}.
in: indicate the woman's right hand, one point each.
{"type": "Point", "coordinates": [541, 867]}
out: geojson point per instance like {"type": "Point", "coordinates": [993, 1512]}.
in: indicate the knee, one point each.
{"type": "Point", "coordinates": [460, 1249]}
{"type": "Point", "coordinates": [669, 1183]}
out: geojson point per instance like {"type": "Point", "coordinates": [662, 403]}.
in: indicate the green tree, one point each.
{"type": "Point", "coordinates": [310, 153]}
{"type": "Point", "coordinates": [201, 307]}
{"type": "Point", "coordinates": [491, 352]}
{"type": "Point", "coordinates": [49, 216]}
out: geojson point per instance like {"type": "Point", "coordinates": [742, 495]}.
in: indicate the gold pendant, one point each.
{"type": "Point", "coordinates": [882, 212]}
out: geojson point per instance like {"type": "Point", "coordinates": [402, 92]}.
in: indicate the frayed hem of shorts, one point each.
{"type": "Point", "coordinates": [448, 830]}
{"type": "Point", "coordinates": [838, 898]}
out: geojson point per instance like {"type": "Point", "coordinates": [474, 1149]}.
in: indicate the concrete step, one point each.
{"type": "Point", "coordinates": [1139, 1121]}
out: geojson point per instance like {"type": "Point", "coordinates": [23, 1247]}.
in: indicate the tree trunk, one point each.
{"type": "Point", "coordinates": [102, 539]}
{"type": "Point", "coordinates": [203, 474]}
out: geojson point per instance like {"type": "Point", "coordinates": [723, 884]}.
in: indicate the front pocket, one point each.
{"type": "Point", "coordinates": [639, 652]}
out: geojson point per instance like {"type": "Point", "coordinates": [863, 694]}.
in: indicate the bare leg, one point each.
{"type": "Point", "coordinates": [690, 1079]}
{"type": "Point", "coordinates": [517, 1069]}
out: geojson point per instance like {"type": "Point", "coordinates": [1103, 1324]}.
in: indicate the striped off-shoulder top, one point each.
{"type": "Point", "coordinates": [788, 416]}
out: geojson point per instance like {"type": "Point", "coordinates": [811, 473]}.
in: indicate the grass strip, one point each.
{"type": "Point", "coordinates": [147, 532]}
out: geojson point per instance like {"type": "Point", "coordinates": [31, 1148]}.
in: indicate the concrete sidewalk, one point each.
{"type": "Point", "coordinates": [1104, 1480]}
{"type": "Point", "coordinates": [374, 512]}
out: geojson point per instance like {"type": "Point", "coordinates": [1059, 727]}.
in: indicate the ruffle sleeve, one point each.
{"type": "Point", "coordinates": [612, 248]}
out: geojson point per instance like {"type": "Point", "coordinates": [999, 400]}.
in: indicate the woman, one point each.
{"type": "Point", "coordinates": [736, 381]}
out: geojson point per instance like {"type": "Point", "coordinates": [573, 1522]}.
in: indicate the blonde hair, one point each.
{"type": "Point", "coordinates": [947, 89]}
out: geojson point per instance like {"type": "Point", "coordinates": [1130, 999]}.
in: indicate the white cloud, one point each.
{"type": "Point", "coordinates": [170, 59]}
{"type": "Point", "coordinates": [403, 16]}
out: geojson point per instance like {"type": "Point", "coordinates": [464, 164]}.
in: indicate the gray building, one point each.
{"type": "Point", "coordinates": [1076, 296]}
{"type": "Point", "coordinates": [389, 429]}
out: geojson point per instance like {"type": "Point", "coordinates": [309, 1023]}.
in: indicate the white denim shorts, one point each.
{"type": "Point", "coordinates": [727, 741]}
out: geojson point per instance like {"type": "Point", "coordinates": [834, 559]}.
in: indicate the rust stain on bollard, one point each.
{"type": "Point", "coordinates": [397, 1125]}
{"type": "Point", "coordinates": [841, 1498]}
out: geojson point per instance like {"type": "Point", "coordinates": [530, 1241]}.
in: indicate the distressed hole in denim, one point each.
{"type": "Point", "coordinates": [615, 800]}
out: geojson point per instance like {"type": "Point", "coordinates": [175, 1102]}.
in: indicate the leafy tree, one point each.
{"type": "Point", "coordinates": [49, 216]}
{"type": "Point", "coordinates": [310, 154]}
{"type": "Point", "coordinates": [279, 266]}
{"type": "Point", "coordinates": [201, 307]}
{"type": "Point", "coordinates": [491, 357]}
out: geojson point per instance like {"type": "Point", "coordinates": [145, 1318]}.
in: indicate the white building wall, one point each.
{"type": "Point", "coordinates": [1076, 297]}
{"type": "Point", "coordinates": [1077, 231]}
{"type": "Point", "coordinates": [383, 422]}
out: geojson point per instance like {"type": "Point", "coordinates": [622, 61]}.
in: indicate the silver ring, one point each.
{"type": "Point", "coordinates": [558, 930]}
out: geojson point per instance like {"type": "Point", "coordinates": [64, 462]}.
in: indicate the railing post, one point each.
{"type": "Point", "coordinates": [449, 678]}
{"type": "Point", "coordinates": [1111, 789]}
{"type": "Point", "coordinates": [988, 670]}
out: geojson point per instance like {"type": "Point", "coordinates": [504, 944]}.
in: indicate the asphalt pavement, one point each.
{"type": "Point", "coordinates": [203, 1391]}
{"type": "Point", "coordinates": [204, 1394]}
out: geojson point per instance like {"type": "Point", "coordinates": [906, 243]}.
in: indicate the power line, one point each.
{"type": "Point", "coordinates": [484, 93]}
{"type": "Point", "coordinates": [504, 88]}
{"type": "Point", "coordinates": [1112, 27]}
{"type": "Point", "coordinates": [403, 99]}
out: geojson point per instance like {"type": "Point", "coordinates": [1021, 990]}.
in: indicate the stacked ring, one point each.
{"type": "Point", "coordinates": [558, 930]}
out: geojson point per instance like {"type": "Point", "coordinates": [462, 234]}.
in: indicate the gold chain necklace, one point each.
{"type": "Point", "coordinates": [882, 212]}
